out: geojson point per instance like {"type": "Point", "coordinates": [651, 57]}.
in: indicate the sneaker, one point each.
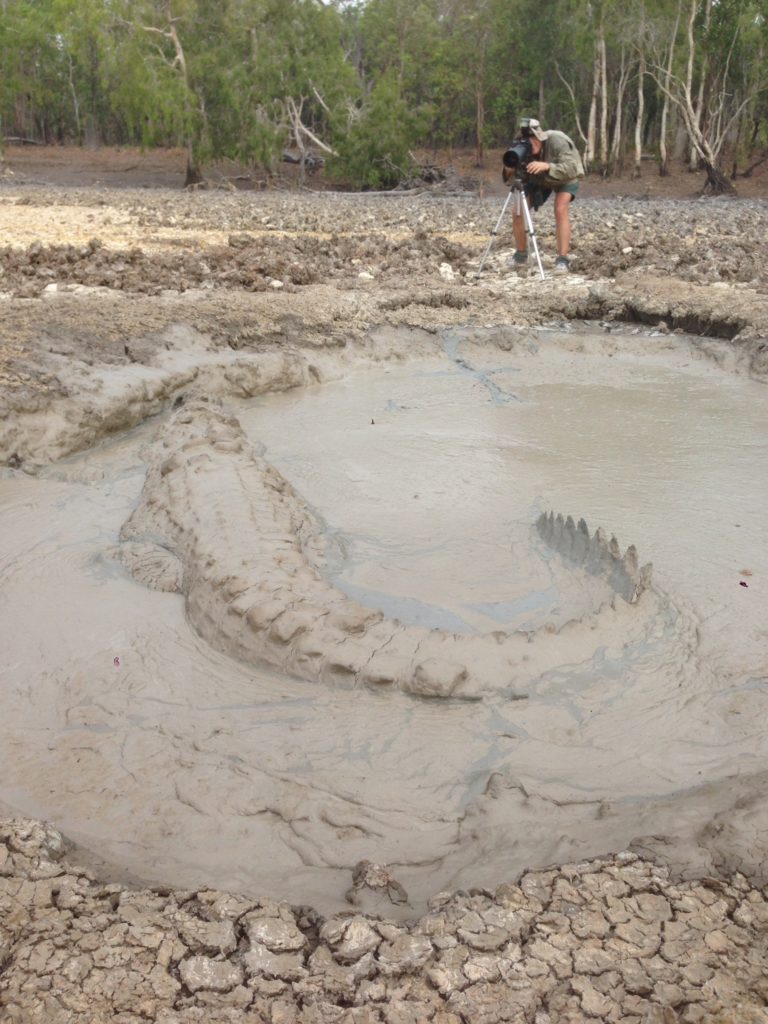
{"type": "Point", "coordinates": [520, 262]}
{"type": "Point", "coordinates": [562, 265]}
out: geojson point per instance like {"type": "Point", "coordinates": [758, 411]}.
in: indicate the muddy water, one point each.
{"type": "Point", "coordinates": [429, 478]}
{"type": "Point", "coordinates": [178, 763]}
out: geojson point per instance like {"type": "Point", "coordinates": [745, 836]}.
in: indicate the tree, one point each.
{"type": "Point", "coordinates": [711, 97]}
{"type": "Point", "coordinates": [374, 152]}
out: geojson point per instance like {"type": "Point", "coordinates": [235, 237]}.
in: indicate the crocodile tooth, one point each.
{"type": "Point", "coordinates": [568, 536]}
{"type": "Point", "coordinates": [630, 560]}
{"type": "Point", "coordinates": [580, 546]}
{"type": "Point", "coordinates": [557, 535]}
{"type": "Point", "coordinates": [543, 525]}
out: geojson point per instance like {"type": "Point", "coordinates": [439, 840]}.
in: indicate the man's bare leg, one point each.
{"type": "Point", "coordinates": [562, 222]}
{"type": "Point", "coordinates": [518, 229]}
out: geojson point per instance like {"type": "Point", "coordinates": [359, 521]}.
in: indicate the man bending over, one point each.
{"type": "Point", "coordinates": [556, 167]}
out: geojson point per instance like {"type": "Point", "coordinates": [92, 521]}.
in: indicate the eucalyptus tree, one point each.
{"type": "Point", "coordinates": [34, 71]}
{"type": "Point", "coordinates": [720, 77]}
{"type": "Point", "coordinates": [234, 78]}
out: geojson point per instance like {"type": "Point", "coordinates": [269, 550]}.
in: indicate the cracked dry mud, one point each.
{"type": "Point", "coordinates": [242, 721]}
{"type": "Point", "coordinates": [611, 939]}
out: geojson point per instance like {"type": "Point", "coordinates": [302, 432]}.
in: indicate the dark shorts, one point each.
{"type": "Point", "coordinates": [539, 194]}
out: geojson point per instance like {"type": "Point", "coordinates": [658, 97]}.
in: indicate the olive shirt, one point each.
{"type": "Point", "coordinates": [565, 165]}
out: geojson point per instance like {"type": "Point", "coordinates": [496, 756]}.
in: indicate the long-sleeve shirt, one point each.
{"type": "Point", "coordinates": [565, 165]}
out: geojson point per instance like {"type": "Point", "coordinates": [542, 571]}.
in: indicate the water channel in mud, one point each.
{"type": "Point", "coordinates": [181, 764]}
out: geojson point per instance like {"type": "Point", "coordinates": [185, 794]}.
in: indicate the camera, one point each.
{"type": "Point", "coordinates": [518, 155]}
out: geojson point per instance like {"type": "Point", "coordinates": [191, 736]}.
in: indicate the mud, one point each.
{"type": "Point", "coordinates": [208, 685]}
{"type": "Point", "coordinates": [611, 939]}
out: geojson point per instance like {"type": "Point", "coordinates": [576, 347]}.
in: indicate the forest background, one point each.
{"type": "Point", "coordinates": [359, 86]}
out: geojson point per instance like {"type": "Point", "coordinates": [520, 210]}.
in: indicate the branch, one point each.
{"type": "Point", "coordinates": [685, 105]}
{"type": "Point", "coordinates": [718, 143]}
{"type": "Point", "coordinates": [319, 98]}
{"type": "Point", "coordinates": [573, 100]}
{"type": "Point", "coordinates": [299, 126]}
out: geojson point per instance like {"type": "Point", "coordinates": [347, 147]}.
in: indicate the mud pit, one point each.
{"type": "Point", "coordinates": [356, 554]}
{"type": "Point", "coordinates": [281, 633]}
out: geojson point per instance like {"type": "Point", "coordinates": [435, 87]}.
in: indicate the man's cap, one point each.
{"type": "Point", "coordinates": [533, 127]}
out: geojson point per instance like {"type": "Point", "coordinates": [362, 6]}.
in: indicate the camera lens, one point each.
{"type": "Point", "coordinates": [518, 153]}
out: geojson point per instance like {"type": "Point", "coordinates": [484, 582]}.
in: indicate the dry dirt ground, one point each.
{"type": "Point", "coordinates": [100, 254]}
{"type": "Point", "coordinates": [96, 274]}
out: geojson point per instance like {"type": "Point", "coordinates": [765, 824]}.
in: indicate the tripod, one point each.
{"type": "Point", "coordinates": [518, 191]}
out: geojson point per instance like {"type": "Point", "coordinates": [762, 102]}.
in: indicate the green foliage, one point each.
{"type": "Point", "coordinates": [34, 70]}
{"type": "Point", "coordinates": [370, 79]}
{"type": "Point", "coordinates": [374, 151]}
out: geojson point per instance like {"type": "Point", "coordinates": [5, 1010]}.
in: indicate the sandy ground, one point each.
{"type": "Point", "coordinates": [118, 304]}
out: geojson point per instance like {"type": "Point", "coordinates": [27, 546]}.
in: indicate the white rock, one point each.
{"type": "Point", "coordinates": [277, 935]}
{"type": "Point", "coordinates": [200, 972]}
{"type": "Point", "coordinates": [447, 272]}
{"type": "Point", "coordinates": [359, 939]}
{"type": "Point", "coordinates": [406, 953]}
{"type": "Point", "coordinates": [286, 966]}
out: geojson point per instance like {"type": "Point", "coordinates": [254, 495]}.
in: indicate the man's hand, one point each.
{"type": "Point", "coordinates": [537, 167]}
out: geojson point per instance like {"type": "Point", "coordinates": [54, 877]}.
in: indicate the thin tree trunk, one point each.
{"type": "Point", "coordinates": [480, 107]}
{"type": "Point", "coordinates": [663, 156]}
{"type": "Point", "coordinates": [735, 165]}
{"type": "Point", "coordinates": [689, 65]}
{"type": "Point", "coordinates": [592, 123]}
{"type": "Point", "coordinates": [584, 138]}
{"type": "Point", "coordinates": [479, 127]}
{"type": "Point", "coordinates": [603, 101]}
{"type": "Point", "coordinates": [75, 103]}
{"type": "Point", "coordinates": [693, 159]}
{"type": "Point", "coordinates": [617, 144]}
{"type": "Point", "coordinates": [699, 105]}
{"type": "Point", "coordinates": [640, 115]}
{"type": "Point", "coordinates": [193, 175]}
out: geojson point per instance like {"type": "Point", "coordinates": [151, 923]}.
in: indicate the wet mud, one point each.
{"type": "Point", "coordinates": [316, 568]}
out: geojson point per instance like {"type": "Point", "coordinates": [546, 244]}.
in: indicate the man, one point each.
{"type": "Point", "coordinates": [556, 167]}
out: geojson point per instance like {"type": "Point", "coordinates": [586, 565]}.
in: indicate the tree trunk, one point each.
{"type": "Point", "coordinates": [617, 145]}
{"type": "Point", "coordinates": [480, 106]}
{"type": "Point", "coordinates": [592, 124]}
{"type": "Point", "coordinates": [640, 114]}
{"type": "Point", "coordinates": [693, 159]}
{"type": "Point", "coordinates": [699, 106]}
{"type": "Point", "coordinates": [663, 156]}
{"type": "Point", "coordinates": [193, 175]}
{"type": "Point", "coordinates": [603, 101]}
{"type": "Point", "coordinates": [479, 127]}
{"type": "Point", "coordinates": [717, 184]}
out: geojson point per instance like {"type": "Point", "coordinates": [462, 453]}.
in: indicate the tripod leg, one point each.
{"type": "Point", "coordinates": [494, 232]}
{"type": "Point", "coordinates": [532, 235]}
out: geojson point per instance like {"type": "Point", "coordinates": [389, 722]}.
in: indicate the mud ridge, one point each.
{"type": "Point", "coordinates": [245, 541]}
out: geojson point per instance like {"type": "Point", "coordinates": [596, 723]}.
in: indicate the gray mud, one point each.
{"type": "Point", "coordinates": [309, 564]}
{"type": "Point", "coordinates": [307, 619]}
